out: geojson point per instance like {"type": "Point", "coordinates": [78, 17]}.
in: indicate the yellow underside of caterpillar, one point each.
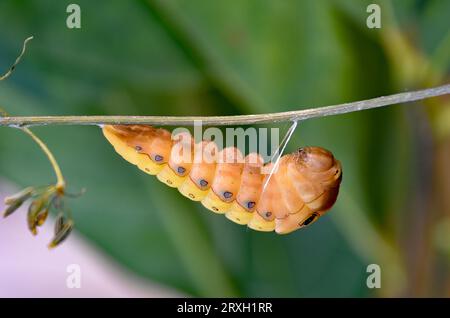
{"type": "Point", "coordinates": [189, 189]}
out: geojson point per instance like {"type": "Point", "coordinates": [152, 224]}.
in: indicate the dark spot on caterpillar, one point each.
{"type": "Point", "coordinates": [181, 170]}
{"type": "Point", "coordinates": [310, 219]}
{"type": "Point", "coordinates": [158, 158]}
{"type": "Point", "coordinates": [227, 194]}
{"type": "Point", "coordinates": [169, 182]}
{"type": "Point", "coordinates": [250, 205]}
{"type": "Point", "coordinates": [138, 148]}
{"type": "Point", "coordinates": [191, 196]}
{"type": "Point", "coordinates": [215, 209]}
{"type": "Point", "coordinates": [302, 154]}
{"type": "Point", "coordinates": [147, 169]}
{"type": "Point", "coordinates": [238, 219]}
{"type": "Point", "coordinates": [268, 214]}
{"type": "Point", "coordinates": [203, 183]}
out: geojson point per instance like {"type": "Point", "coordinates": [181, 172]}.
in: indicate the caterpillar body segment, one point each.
{"type": "Point", "coordinates": [238, 214]}
{"type": "Point", "coordinates": [122, 147]}
{"type": "Point", "coordinates": [226, 182]}
{"type": "Point", "coordinates": [190, 190]}
{"type": "Point", "coordinates": [201, 175]}
{"type": "Point", "coordinates": [304, 185]}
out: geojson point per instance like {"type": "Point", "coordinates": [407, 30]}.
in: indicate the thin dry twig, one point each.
{"type": "Point", "coordinates": [11, 69]}
{"type": "Point", "coordinates": [297, 115]}
{"type": "Point", "coordinates": [60, 184]}
{"type": "Point", "coordinates": [229, 120]}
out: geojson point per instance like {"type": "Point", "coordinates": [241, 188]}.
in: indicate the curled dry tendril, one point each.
{"type": "Point", "coordinates": [43, 199]}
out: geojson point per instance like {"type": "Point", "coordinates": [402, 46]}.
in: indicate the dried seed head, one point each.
{"type": "Point", "coordinates": [44, 199]}
{"type": "Point", "coordinates": [20, 196]}
{"type": "Point", "coordinates": [41, 217]}
{"type": "Point", "coordinates": [62, 234]}
{"type": "Point", "coordinates": [59, 223]}
{"type": "Point", "coordinates": [11, 209]}
{"type": "Point", "coordinates": [37, 213]}
{"type": "Point", "coordinates": [15, 201]}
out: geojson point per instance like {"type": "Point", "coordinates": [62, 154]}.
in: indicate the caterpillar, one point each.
{"type": "Point", "coordinates": [303, 187]}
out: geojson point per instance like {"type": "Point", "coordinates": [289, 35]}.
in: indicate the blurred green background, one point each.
{"type": "Point", "coordinates": [199, 57]}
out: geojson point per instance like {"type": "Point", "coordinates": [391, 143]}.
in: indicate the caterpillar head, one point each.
{"type": "Point", "coordinates": [314, 159]}
{"type": "Point", "coordinates": [316, 176]}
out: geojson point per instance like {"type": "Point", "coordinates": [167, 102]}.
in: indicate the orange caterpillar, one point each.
{"type": "Point", "coordinates": [304, 186]}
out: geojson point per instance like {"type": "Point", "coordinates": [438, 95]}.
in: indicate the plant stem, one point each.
{"type": "Point", "coordinates": [228, 120]}
{"type": "Point", "coordinates": [60, 182]}
{"type": "Point", "coordinates": [11, 69]}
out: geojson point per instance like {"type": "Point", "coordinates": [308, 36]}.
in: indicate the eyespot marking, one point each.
{"type": "Point", "coordinates": [268, 214]}
{"type": "Point", "coordinates": [215, 209]}
{"type": "Point", "coordinates": [227, 194]}
{"type": "Point", "coordinates": [159, 158]}
{"type": "Point", "coordinates": [203, 183]}
{"type": "Point", "coordinates": [138, 148]}
{"type": "Point", "coordinates": [181, 170]}
{"type": "Point", "coordinates": [251, 204]}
